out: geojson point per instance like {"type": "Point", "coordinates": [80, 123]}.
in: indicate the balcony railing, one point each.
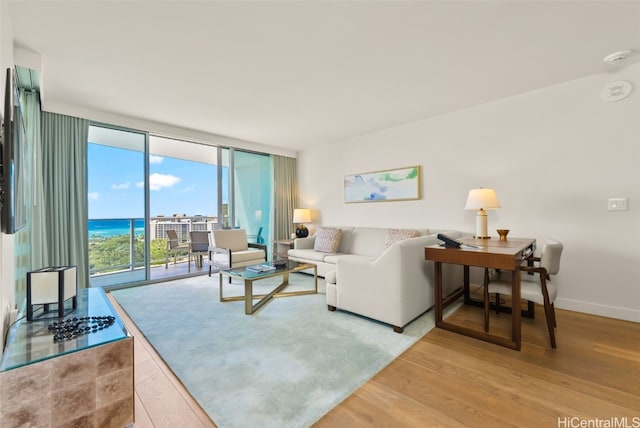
{"type": "Point", "coordinates": [117, 245]}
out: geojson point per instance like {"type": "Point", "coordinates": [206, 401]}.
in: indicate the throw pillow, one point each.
{"type": "Point", "coordinates": [327, 240]}
{"type": "Point", "coordinates": [395, 235]}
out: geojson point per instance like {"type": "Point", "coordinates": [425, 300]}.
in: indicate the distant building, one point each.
{"type": "Point", "coordinates": [181, 224]}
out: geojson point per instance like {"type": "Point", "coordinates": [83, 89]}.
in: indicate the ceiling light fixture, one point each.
{"type": "Point", "coordinates": [616, 57]}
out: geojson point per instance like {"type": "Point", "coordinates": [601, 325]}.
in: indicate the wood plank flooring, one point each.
{"type": "Point", "coordinates": [160, 399]}
{"type": "Point", "coordinates": [450, 380]}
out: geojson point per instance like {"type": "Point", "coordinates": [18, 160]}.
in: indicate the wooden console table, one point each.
{"type": "Point", "coordinates": [491, 253]}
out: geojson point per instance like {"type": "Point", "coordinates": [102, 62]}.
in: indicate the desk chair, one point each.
{"type": "Point", "coordinates": [173, 246]}
{"type": "Point", "coordinates": [535, 285]}
{"type": "Point", "coordinates": [198, 247]}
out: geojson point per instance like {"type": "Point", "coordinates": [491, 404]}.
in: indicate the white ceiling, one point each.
{"type": "Point", "coordinates": [295, 73]}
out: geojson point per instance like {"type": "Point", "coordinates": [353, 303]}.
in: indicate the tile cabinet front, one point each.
{"type": "Point", "coordinates": [89, 388]}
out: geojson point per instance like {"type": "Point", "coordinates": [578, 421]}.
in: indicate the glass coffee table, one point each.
{"type": "Point", "coordinates": [249, 277]}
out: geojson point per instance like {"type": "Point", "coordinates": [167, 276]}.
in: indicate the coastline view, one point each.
{"type": "Point", "coordinates": [110, 244]}
{"type": "Point", "coordinates": [108, 228]}
{"type": "Point", "coordinates": [113, 248]}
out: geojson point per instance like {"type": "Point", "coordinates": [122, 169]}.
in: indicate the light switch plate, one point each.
{"type": "Point", "coordinates": [617, 204]}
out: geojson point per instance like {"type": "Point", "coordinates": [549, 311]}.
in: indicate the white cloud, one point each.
{"type": "Point", "coordinates": [160, 181]}
{"type": "Point", "coordinates": [155, 159]}
{"type": "Point", "coordinates": [121, 186]}
{"type": "Point", "coordinates": [92, 196]}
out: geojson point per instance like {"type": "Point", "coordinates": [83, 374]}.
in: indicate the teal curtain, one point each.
{"type": "Point", "coordinates": [38, 237]}
{"type": "Point", "coordinates": [23, 243]}
{"type": "Point", "coordinates": [64, 168]}
{"type": "Point", "coordinates": [285, 195]}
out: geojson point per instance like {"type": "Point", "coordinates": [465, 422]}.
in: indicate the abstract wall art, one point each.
{"type": "Point", "coordinates": [400, 184]}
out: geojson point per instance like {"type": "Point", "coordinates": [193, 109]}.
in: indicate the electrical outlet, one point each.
{"type": "Point", "coordinates": [617, 204]}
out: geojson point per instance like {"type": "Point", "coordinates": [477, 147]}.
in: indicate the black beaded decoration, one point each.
{"type": "Point", "coordinates": [77, 326]}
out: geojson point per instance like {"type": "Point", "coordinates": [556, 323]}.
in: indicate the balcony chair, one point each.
{"type": "Point", "coordinates": [535, 285]}
{"type": "Point", "coordinates": [173, 246]}
{"type": "Point", "coordinates": [229, 248]}
{"type": "Point", "coordinates": [198, 247]}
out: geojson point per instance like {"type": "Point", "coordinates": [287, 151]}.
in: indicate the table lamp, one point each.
{"type": "Point", "coordinates": [481, 200]}
{"type": "Point", "coordinates": [300, 216]}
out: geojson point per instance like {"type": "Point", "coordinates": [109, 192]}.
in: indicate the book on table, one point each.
{"type": "Point", "coordinates": [261, 268]}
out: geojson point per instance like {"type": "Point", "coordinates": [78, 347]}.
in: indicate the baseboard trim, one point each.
{"type": "Point", "coordinates": [617, 312]}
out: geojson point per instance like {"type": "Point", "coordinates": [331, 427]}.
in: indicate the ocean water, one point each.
{"type": "Point", "coordinates": [106, 228]}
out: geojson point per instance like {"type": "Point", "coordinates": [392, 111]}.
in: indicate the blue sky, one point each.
{"type": "Point", "coordinates": [176, 186]}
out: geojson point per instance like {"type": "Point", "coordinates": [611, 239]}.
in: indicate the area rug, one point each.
{"type": "Point", "coordinates": [287, 365]}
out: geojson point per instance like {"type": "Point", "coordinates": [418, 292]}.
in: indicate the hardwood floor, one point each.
{"type": "Point", "coordinates": [451, 380]}
{"type": "Point", "coordinates": [160, 399]}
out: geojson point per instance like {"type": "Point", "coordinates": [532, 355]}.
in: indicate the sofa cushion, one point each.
{"type": "Point", "coordinates": [368, 241]}
{"type": "Point", "coordinates": [333, 258]}
{"type": "Point", "coordinates": [327, 239]}
{"type": "Point", "coordinates": [307, 254]}
{"type": "Point", "coordinates": [331, 277]}
{"type": "Point", "coordinates": [396, 235]}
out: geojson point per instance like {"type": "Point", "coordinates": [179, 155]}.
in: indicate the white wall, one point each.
{"type": "Point", "coordinates": [554, 157]}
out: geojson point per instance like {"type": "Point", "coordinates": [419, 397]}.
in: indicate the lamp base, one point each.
{"type": "Point", "coordinates": [302, 232]}
{"type": "Point", "coordinates": [481, 225]}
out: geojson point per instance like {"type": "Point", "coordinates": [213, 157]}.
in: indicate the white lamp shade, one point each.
{"type": "Point", "coordinates": [302, 215]}
{"type": "Point", "coordinates": [482, 199]}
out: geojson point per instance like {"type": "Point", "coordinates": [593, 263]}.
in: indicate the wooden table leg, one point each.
{"type": "Point", "coordinates": [516, 313]}
{"type": "Point", "coordinates": [467, 292]}
{"type": "Point", "coordinates": [438, 286]}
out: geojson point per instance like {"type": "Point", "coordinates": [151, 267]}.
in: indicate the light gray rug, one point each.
{"type": "Point", "coordinates": [285, 366]}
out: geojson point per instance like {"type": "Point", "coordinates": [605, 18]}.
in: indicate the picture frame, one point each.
{"type": "Point", "coordinates": [399, 184]}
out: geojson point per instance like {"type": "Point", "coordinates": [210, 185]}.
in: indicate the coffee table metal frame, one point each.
{"type": "Point", "coordinates": [250, 277]}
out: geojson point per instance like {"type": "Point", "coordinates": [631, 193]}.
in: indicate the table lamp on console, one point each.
{"type": "Point", "coordinates": [481, 200]}
{"type": "Point", "coordinates": [301, 216]}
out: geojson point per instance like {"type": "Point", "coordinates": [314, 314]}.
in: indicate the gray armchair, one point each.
{"type": "Point", "coordinates": [198, 247]}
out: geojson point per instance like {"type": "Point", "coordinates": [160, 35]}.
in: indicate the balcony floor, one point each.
{"type": "Point", "coordinates": [158, 273]}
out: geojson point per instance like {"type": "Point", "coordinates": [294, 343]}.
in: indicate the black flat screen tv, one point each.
{"type": "Point", "coordinates": [12, 161]}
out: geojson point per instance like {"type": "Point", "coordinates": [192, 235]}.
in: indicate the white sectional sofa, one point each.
{"type": "Point", "coordinates": [372, 276]}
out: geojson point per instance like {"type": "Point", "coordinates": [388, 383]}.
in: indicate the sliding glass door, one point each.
{"type": "Point", "coordinates": [116, 202]}
{"type": "Point", "coordinates": [183, 198]}
{"type": "Point", "coordinates": [253, 195]}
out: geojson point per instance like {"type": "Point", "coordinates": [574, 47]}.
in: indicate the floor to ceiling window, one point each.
{"type": "Point", "coordinates": [144, 189]}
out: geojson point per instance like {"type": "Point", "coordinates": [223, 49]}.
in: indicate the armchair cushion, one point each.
{"type": "Point", "coordinates": [327, 240]}
{"type": "Point", "coordinates": [233, 239]}
{"type": "Point", "coordinates": [241, 257]}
